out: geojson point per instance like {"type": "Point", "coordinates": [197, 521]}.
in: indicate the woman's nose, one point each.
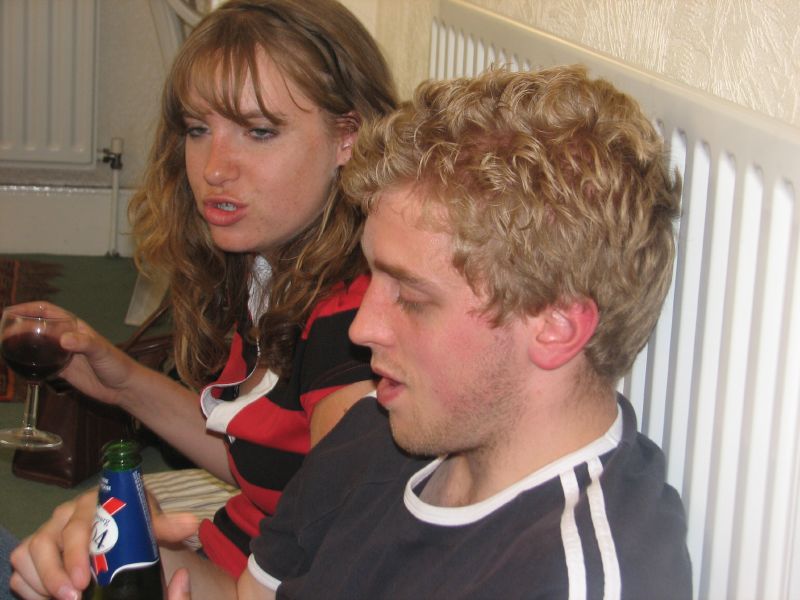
{"type": "Point", "coordinates": [221, 163]}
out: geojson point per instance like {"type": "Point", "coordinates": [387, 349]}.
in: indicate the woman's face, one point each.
{"type": "Point", "coordinates": [257, 186]}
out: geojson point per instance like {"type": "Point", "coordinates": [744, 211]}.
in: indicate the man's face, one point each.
{"type": "Point", "coordinates": [450, 381]}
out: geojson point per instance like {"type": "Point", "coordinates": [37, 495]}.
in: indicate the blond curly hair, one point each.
{"type": "Point", "coordinates": [555, 188]}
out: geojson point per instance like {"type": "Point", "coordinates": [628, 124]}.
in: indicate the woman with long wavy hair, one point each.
{"type": "Point", "coordinates": [241, 210]}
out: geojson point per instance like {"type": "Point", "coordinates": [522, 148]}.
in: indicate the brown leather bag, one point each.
{"type": "Point", "coordinates": [86, 425]}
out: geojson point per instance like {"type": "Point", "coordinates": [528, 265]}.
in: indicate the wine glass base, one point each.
{"type": "Point", "coordinates": [28, 438]}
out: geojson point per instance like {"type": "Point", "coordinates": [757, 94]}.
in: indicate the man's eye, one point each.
{"type": "Point", "coordinates": [409, 305]}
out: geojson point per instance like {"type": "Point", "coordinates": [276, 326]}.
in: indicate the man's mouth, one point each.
{"type": "Point", "coordinates": [388, 388]}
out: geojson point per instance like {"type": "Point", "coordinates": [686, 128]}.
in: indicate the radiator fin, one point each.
{"type": "Point", "coordinates": [47, 81]}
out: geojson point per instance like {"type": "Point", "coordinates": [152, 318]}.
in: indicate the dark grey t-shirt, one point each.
{"type": "Point", "coordinates": [600, 523]}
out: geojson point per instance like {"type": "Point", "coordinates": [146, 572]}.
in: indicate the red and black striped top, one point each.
{"type": "Point", "coordinates": [268, 433]}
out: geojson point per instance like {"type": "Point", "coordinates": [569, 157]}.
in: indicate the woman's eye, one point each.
{"type": "Point", "coordinates": [262, 133]}
{"type": "Point", "coordinates": [195, 131]}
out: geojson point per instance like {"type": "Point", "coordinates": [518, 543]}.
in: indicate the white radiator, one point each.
{"type": "Point", "coordinates": [47, 75]}
{"type": "Point", "coordinates": [718, 386]}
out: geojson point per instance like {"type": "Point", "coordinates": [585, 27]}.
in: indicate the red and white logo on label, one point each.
{"type": "Point", "coordinates": [104, 533]}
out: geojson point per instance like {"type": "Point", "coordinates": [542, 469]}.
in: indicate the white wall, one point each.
{"type": "Point", "coordinates": [74, 221]}
{"type": "Point", "coordinates": [746, 51]}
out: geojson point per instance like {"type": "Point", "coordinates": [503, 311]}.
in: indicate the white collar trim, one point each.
{"type": "Point", "coordinates": [220, 413]}
{"type": "Point", "coordinates": [464, 515]}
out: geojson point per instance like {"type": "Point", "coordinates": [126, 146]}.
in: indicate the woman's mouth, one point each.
{"type": "Point", "coordinates": [223, 213]}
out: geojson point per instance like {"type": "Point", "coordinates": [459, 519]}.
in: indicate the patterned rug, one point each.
{"type": "Point", "coordinates": [21, 281]}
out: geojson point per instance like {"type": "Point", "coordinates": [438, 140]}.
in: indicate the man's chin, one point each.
{"type": "Point", "coordinates": [412, 441]}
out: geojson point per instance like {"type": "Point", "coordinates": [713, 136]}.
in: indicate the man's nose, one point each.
{"type": "Point", "coordinates": [370, 326]}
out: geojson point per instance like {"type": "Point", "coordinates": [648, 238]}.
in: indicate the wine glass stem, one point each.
{"type": "Point", "coordinates": [31, 406]}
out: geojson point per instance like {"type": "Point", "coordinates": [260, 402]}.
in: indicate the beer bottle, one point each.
{"type": "Point", "coordinates": [124, 555]}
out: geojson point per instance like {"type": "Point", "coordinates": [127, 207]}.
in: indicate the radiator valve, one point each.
{"type": "Point", "coordinates": [113, 155]}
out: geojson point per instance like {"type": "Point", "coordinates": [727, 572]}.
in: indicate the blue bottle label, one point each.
{"type": "Point", "coordinates": [122, 536]}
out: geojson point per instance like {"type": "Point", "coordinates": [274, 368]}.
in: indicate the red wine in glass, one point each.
{"type": "Point", "coordinates": [34, 357]}
{"type": "Point", "coordinates": [30, 345]}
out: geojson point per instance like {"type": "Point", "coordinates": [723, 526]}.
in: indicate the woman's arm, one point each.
{"type": "Point", "coordinates": [332, 408]}
{"type": "Point", "coordinates": [104, 372]}
{"type": "Point", "coordinates": [173, 413]}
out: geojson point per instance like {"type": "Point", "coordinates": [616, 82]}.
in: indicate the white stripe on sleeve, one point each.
{"type": "Point", "coordinates": [573, 551]}
{"type": "Point", "coordinates": [260, 575]}
{"type": "Point", "coordinates": [602, 528]}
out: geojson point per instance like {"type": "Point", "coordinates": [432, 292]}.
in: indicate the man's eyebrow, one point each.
{"type": "Point", "coordinates": [402, 275]}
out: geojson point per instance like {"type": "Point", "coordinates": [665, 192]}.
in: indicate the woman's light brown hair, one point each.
{"type": "Point", "coordinates": [323, 49]}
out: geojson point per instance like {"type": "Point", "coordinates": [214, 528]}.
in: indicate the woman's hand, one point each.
{"type": "Point", "coordinates": [104, 372]}
{"type": "Point", "coordinates": [98, 368]}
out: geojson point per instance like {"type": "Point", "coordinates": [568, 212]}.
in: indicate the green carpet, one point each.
{"type": "Point", "coordinates": [98, 290]}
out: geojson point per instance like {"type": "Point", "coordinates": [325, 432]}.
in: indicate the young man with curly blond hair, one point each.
{"type": "Point", "coordinates": [520, 237]}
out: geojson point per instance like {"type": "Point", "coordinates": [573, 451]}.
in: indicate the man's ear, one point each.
{"type": "Point", "coordinates": [347, 129]}
{"type": "Point", "coordinates": [560, 332]}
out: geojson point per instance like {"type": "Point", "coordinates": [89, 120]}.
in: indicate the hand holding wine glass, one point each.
{"type": "Point", "coordinates": [30, 344]}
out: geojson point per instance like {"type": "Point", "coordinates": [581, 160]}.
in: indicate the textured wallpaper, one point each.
{"type": "Point", "coordinates": [746, 51]}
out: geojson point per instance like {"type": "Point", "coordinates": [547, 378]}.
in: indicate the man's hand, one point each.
{"type": "Point", "coordinates": [54, 561]}
{"type": "Point", "coordinates": [179, 588]}
{"type": "Point", "coordinates": [171, 528]}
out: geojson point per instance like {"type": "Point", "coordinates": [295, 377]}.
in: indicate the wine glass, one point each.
{"type": "Point", "coordinates": [30, 344]}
